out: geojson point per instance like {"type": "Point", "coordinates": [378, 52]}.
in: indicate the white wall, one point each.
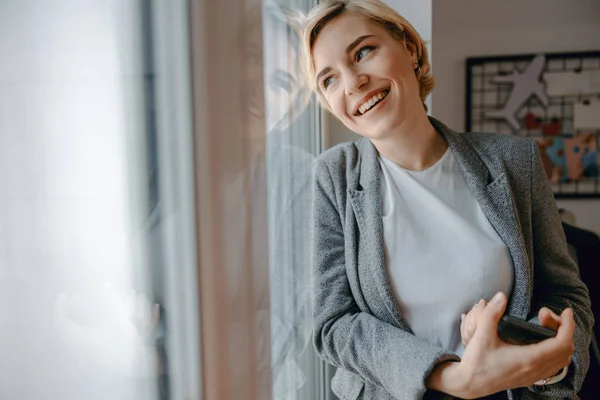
{"type": "Point", "coordinates": [465, 28]}
{"type": "Point", "coordinates": [418, 13]}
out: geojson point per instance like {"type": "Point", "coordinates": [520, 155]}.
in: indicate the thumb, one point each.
{"type": "Point", "coordinates": [492, 314]}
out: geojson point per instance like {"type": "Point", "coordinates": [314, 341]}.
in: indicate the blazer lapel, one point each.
{"type": "Point", "coordinates": [366, 203]}
{"type": "Point", "coordinates": [491, 189]}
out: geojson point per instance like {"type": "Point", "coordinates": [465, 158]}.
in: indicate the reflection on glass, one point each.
{"type": "Point", "coordinates": [280, 177]}
{"type": "Point", "coordinates": [291, 133]}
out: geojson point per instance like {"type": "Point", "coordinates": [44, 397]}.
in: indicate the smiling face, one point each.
{"type": "Point", "coordinates": [366, 76]}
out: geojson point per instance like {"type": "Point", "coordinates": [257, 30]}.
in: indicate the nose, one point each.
{"type": "Point", "coordinates": [355, 81]}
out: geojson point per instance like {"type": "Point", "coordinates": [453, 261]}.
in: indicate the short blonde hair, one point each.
{"type": "Point", "coordinates": [378, 12]}
{"type": "Point", "coordinates": [293, 22]}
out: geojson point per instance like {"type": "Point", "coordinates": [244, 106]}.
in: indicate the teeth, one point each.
{"type": "Point", "coordinates": [371, 102]}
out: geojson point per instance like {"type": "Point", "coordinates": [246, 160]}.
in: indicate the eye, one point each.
{"type": "Point", "coordinates": [360, 54]}
{"type": "Point", "coordinates": [327, 81]}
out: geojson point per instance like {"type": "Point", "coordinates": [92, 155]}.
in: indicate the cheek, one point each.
{"type": "Point", "coordinates": [337, 105]}
{"type": "Point", "coordinates": [399, 71]}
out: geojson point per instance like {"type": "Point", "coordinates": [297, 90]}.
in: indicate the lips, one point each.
{"type": "Point", "coordinates": [369, 101]}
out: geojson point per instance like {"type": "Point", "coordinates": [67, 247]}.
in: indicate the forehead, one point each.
{"type": "Point", "coordinates": [340, 32]}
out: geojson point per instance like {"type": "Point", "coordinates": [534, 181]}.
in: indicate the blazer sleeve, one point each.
{"type": "Point", "coordinates": [347, 337]}
{"type": "Point", "coordinates": [557, 284]}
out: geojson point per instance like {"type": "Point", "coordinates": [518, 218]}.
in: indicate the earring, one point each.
{"type": "Point", "coordinates": [417, 69]}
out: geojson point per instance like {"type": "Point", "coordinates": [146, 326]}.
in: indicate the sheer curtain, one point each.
{"type": "Point", "coordinates": [257, 134]}
{"type": "Point", "coordinates": [293, 140]}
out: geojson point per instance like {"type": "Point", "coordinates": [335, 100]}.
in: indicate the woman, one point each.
{"type": "Point", "coordinates": [415, 223]}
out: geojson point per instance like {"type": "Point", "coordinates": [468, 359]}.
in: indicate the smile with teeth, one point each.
{"type": "Point", "coordinates": [367, 105]}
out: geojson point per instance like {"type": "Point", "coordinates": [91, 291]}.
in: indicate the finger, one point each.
{"type": "Point", "coordinates": [464, 335]}
{"type": "Point", "coordinates": [466, 338]}
{"type": "Point", "coordinates": [553, 314]}
{"type": "Point", "coordinates": [550, 313]}
{"type": "Point", "coordinates": [470, 324]}
{"type": "Point", "coordinates": [564, 339]}
{"type": "Point", "coordinates": [548, 319]}
{"type": "Point", "coordinates": [566, 328]}
{"type": "Point", "coordinates": [466, 326]}
{"type": "Point", "coordinates": [478, 311]}
{"type": "Point", "coordinates": [491, 315]}
{"type": "Point", "coordinates": [476, 306]}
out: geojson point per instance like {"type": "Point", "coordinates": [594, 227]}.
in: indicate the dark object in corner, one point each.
{"type": "Point", "coordinates": [587, 248]}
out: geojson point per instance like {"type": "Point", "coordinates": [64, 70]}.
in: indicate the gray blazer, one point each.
{"type": "Point", "coordinates": [357, 324]}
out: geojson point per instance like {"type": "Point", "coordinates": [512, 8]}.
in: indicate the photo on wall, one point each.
{"type": "Point", "coordinates": [570, 159]}
{"type": "Point", "coordinates": [553, 98]}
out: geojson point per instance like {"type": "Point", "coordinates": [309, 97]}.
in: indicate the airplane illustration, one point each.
{"type": "Point", "coordinates": [525, 84]}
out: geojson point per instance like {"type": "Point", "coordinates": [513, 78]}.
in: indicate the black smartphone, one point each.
{"type": "Point", "coordinates": [517, 331]}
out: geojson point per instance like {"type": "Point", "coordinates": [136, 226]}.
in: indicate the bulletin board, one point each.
{"type": "Point", "coordinates": [553, 98]}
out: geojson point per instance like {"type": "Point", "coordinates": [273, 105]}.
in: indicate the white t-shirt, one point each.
{"type": "Point", "coordinates": [442, 255]}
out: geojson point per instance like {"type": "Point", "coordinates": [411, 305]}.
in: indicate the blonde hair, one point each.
{"type": "Point", "coordinates": [377, 11]}
{"type": "Point", "coordinates": [292, 21]}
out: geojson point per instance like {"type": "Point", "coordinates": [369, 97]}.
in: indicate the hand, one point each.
{"type": "Point", "coordinates": [490, 365]}
{"type": "Point", "coordinates": [548, 318]}
{"type": "Point", "coordinates": [468, 322]}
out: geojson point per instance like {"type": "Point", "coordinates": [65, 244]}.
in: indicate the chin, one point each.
{"type": "Point", "coordinates": [377, 135]}
{"type": "Point", "coordinates": [373, 135]}
{"type": "Point", "coordinates": [376, 132]}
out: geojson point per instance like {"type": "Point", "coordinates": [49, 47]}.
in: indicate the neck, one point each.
{"type": "Point", "coordinates": [415, 145]}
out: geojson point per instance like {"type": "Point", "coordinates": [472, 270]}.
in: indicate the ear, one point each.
{"type": "Point", "coordinates": [412, 49]}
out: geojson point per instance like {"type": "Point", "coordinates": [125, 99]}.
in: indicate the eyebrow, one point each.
{"type": "Point", "coordinates": [349, 48]}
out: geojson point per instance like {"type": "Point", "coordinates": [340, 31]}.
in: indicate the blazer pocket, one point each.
{"type": "Point", "coordinates": [346, 385]}
{"type": "Point", "coordinates": [500, 179]}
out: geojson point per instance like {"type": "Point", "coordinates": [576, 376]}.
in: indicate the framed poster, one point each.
{"type": "Point", "coordinates": [553, 98]}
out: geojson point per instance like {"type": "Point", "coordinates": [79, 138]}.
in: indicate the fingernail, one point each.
{"type": "Point", "coordinates": [497, 298]}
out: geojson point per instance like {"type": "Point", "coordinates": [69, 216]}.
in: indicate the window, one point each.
{"type": "Point", "coordinates": [97, 238]}
{"type": "Point", "coordinates": [156, 168]}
